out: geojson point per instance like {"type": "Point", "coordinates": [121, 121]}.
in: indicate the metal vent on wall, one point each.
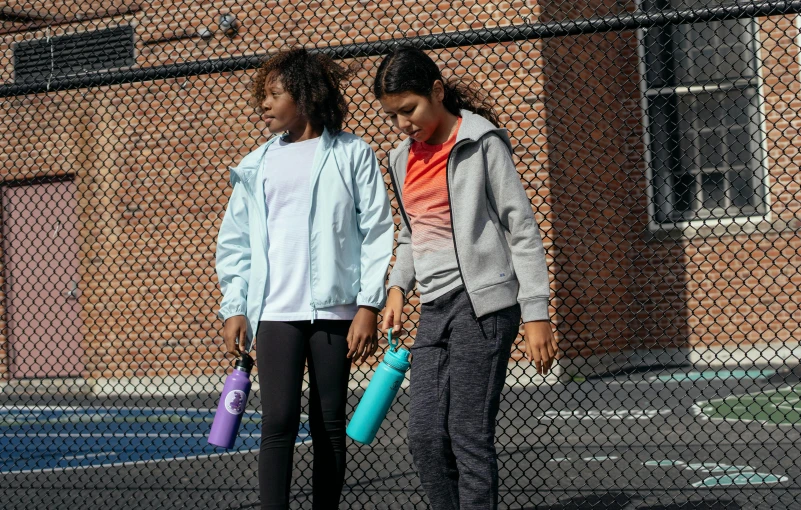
{"type": "Point", "coordinates": [73, 54]}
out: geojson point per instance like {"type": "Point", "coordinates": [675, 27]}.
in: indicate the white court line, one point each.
{"type": "Point", "coordinates": [304, 440]}
{"type": "Point", "coordinates": [125, 464]}
{"type": "Point", "coordinates": [89, 455]}
{"type": "Point", "coordinates": [90, 408]}
{"type": "Point", "coordinates": [604, 414]}
{"type": "Point", "coordinates": [138, 462]}
{"type": "Point", "coordinates": [642, 382]}
{"type": "Point", "coordinates": [599, 458]}
{"type": "Point", "coordinates": [766, 392]}
{"type": "Point", "coordinates": [115, 434]}
{"type": "Point", "coordinates": [788, 402]}
{"type": "Point", "coordinates": [739, 479]}
{"type": "Point", "coordinates": [702, 413]}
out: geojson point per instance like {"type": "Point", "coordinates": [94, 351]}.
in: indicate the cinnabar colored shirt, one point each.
{"type": "Point", "coordinates": [425, 196]}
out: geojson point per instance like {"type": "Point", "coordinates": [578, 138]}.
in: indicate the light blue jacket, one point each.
{"type": "Point", "coordinates": [350, 231]}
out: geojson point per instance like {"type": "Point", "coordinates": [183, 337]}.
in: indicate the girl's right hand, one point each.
{"type": "Point", "coordinates": [235, 332]}
{"type": "Point", "coordinates": [393, 311]}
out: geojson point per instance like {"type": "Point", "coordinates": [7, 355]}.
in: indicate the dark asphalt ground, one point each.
{"type": "Point", "coordinates": [631, 441]}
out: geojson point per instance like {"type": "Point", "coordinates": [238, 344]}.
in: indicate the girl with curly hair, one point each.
{"type": "Point", "coordinates": [302, 255]}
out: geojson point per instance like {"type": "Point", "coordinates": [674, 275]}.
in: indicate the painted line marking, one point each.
{"type": "Point", "coordinates": [765, 392]}
{"type": "Point", "coordinates": [716, 375]}
{"type": "Point", "coordinates": [89, 455]}
{"type": "Point", "coordinates": [592, 458]}
{"type": "Point", "coordinates": [600, 458]}
{"type": "Point", "coordinates": [118, 434]}
{"type": "Point", "coordinates": [34, 417]}
{"type": "Point", "coordinates": [101, 409]}
{"type": "Point", "coordinates": [662, 463]}
{"type": "Point", "coordinates": [777, 407]}
{"type": "Point", "coordinates": [740, 479]}
{"type": "Point", "coordinates": [596, 414]}
{"type": "Point", "coordinates": [732, 474]}
{"type": "Point", "coordinates": [123, 464]}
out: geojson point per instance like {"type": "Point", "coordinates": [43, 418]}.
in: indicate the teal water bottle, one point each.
{"type": "Point", "coordinates": [380, 394]}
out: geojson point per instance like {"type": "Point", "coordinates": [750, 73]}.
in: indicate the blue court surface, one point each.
{"type": "Point", "coordinates": [41, 438]}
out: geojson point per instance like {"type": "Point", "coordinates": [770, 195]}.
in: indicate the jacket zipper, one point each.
{"type": "Point", "coordinates": [311, 201]}
{"type": "Point", "coordinates": [311, 292]}
{"type": "Point", "coordinates": [453, 230]}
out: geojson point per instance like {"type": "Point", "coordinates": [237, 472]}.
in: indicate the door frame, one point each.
{"type": "Point", "coordinates": [6, 361]}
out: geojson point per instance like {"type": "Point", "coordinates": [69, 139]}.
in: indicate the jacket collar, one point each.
{"type": "Point", "coordinates": [249, 166]}
{"type": "Point", "coordinates": [474, 127]}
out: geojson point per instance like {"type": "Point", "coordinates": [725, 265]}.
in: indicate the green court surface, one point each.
{"type": "Point", "coordinates": [780, 406]}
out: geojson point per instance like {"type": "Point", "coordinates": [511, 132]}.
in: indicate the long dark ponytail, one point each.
{"type": "Point", "coordinates": [408, 69]}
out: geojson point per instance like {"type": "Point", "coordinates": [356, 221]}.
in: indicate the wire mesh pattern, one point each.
{"type": "Point", "coordinates": [657, 140]}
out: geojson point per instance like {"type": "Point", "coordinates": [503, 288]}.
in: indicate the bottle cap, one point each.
{"type": "Point", "coordinates": [245, 363]}
{"type": "Point", "coordinates": [397, 359]}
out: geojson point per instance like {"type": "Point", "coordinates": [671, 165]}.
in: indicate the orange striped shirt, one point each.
{"type": "Point", "coordinates": [425, 197]}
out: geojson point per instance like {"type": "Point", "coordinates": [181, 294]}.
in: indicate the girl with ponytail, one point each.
{"type": "Point", "coordinates": [470, 242]}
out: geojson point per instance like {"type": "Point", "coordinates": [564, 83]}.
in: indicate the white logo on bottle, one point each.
{"type": "Point", "coordinates": [235, 402]}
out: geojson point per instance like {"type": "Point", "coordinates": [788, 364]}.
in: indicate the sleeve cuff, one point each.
{"type": "Point", "coordinates": [225, 314]}
{"type": "Point", "coordinates": [371, 303]}
{"type": "Point", "coordinates": [534, 309]}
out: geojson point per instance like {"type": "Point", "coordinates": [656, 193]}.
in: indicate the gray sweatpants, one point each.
{"type": "Point", "coordinates": [458, 371]}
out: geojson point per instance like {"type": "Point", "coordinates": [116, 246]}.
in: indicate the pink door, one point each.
{"type": "Point", "coordinates": [40, 243]}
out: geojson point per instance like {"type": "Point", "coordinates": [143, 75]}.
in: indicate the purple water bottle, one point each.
{"type": "Point", "coordinates": [232, 404]}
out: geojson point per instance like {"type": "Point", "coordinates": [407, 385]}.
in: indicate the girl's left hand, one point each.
{"type": "Point", "coordinates": [363, 334]}
{"type": "Point", "coordinates": [541, 346]}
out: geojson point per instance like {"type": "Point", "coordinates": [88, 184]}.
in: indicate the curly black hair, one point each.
{"type": "Point", "coordinates": [313, 80]}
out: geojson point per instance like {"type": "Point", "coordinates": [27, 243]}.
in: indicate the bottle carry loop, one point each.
{"type": "Point", "coordinates": [396, 356]}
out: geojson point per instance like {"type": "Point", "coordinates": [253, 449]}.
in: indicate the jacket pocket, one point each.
{"type": "Point", "coordinates": [503, 242]}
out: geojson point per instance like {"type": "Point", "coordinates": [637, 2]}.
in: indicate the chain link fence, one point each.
{"type": "Point", "coordinates": [657, 140]}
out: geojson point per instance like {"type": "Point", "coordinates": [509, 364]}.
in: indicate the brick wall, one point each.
{"type": "Point", "coordinates": [150, 160]}
{"type": "Point", "coordinates": [714, 289]}
{"type": "Point", "coordinates": [590, 81]}
{"type": "Point", "coordinates": [168, 31]}
{"type": "Point", "coordinates": [41, 136]}
{"type": "Point", "coordinates": [151, 163]}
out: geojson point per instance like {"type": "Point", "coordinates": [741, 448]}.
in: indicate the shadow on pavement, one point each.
{"type": "Point", "coordinates": [623, 501]}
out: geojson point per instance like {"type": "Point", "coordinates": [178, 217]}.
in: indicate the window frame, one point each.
{"type": "Point", "coordinates": [759, 161]}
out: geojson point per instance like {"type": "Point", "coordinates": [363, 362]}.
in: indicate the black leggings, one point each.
{"type": "Point", "coordinates": [282, 350]}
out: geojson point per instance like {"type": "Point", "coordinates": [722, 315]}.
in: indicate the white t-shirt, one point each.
{"type": "Point", "coordinates": [287, 194]}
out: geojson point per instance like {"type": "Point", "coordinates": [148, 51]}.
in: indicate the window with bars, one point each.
{"type": "Point", "coordinates": [704, 118]}
{"type": "Point", "coordinates": [66, 55]}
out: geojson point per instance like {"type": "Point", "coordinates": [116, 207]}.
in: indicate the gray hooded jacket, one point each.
{"type": "Point", "coordinates": [497, 241]}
